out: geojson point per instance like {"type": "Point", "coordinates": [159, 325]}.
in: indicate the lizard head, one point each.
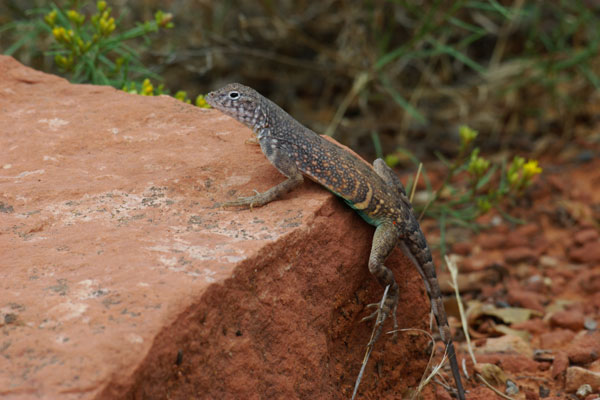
{"type": "Point", "coordinates": [240, 102]}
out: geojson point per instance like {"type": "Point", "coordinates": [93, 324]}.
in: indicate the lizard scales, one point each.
{"type": "Point", "coordinates": [376, 193]}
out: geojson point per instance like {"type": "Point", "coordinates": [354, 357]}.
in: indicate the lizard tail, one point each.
{"type": "Point", "coordinates": [418, 249]}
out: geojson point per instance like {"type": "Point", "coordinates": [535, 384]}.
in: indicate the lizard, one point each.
{"type": "Point", "coordinates": [376, 193]}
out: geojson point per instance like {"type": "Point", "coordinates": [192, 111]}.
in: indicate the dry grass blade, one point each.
{"type": "Point", "coordinates": [463, 318]}
{"type": "Point", "coordinates": [425, 380]}
{"type": "Point", "coordinates": [370, 345]}
{"type": "Point", "coordinates": [414, 185]}
{"type": "Point", "coordinates": [499, 393]}
{"type": "Point", "coordinates": [432, 374]}
{"type": "Point", "coordinates": [360, 82]}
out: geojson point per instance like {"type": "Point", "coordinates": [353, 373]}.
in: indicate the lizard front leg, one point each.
{"type": "Point", "coordinates": [285, 165]}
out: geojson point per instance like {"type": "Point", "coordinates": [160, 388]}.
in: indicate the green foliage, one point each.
{"type": "Point", "coordinates": [473, 185]}
{"type": "Point", "coordinates": [502, 46]}
{"type": "Point", "coordinates": [92, 50]}
{"type": "Point", "coordinates": [146, 88]}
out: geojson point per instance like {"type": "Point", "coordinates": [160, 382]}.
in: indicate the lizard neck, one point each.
{"type": "Point", "coordinates": [259, 120]}
{"type": "Point", "coordinates": [274, 119]}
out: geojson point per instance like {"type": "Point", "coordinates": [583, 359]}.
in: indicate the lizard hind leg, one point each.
{"type": "Point", "coordinates": [384, 241]}
{"type": "Point", "coordinates": [389, 177]}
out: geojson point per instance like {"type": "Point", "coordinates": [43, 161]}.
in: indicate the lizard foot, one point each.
{"type": "Point", "coordinates": [253, 141]}
{"type": "Point", "coordinates": [247, 202]}
{"type": "Point", "coordinates": [380, 315]}
{"type": "Point", "coordinates": [375, 314]}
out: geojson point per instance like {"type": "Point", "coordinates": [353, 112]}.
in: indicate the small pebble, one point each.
{"type": "Point", "coordinates": [502, 304]}
{"type": "Point", "coordinates": [548, 261]}
{"type": "Point", "coordinates": [583, 391]}
{"type": "Point", "coordinates": [496, 220]}
{"type": "Point", "coordinates": [511, 388]}
{"type": "Point", "coordinates": [590, 324]}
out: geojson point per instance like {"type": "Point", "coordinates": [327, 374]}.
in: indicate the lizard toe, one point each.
{"type": "Point", "coordinates": [370, 316]}
{"type": "Point", "coordinates": [379, 315]}
{"type": "Point", "coordinates": [248, 202]}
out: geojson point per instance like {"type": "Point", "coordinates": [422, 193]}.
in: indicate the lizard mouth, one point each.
{"type": "Point", "coordinates": [210, 98]}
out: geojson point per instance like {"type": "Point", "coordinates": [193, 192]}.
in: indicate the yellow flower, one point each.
{"type": "Point", "coordinates": [101, 5]}
{"type": "Point", "coordinates": [467, 135]}
{"type": "Point", "coordinates": [62, 35]}
{"type": "Point", "coordinates": [477, 165]}
{"type": "Point", "coordinates": [107, 25]}
{"type": "Point", "coordinates": [50, 18]}
{"type": "Point", "coordinates": [147, 88]}
{"type": "Point", "coordinates": [164, 19]}
{"type": "Point", "coordinates": [182, 95]}
{"type": "Point", "coordinates": [57, 32]}
{"type": "Point", "coordinates": [75, 17]}
{"type": "Point", "coordinates": [64, 62]}
{"type": "Point", "coordinates": [531, 169]}
{"type": "Point", "coordinates": [201, 102]}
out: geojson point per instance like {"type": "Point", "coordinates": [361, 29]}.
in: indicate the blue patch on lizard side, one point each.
{"type": "Point", "coordinates": [369, 220]}
{"type": "Point", "coordinates": [363, 215]}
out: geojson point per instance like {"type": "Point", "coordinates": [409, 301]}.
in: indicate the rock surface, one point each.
{"type": "Point", "coordinates": [121, 278]}
{"type": "Point", "coordinates": [577, 376]}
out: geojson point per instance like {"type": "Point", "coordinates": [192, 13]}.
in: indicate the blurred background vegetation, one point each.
{"type": "Point", "coordinates": [378, 75]}
{"type": "Point", "coordinates": [388, 78]}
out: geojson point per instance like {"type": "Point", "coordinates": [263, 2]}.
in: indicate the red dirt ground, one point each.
{"type": "Point", "coordinates": [551, 266]}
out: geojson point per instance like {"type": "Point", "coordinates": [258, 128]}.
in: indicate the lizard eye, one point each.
{"type": "Point", "coordinates": [233, 95]}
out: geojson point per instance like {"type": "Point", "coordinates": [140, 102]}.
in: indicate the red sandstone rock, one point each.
{"type": "Point", "coordinates": [526, 299]}
{"type": "Point", "coordinates": [531, 395]}
{"type": "Point", "coordinates": [520, 254]}
{"type": "Point", "coordinates": [442, 394]}
{"type": "Point", "coordinates": [120, 276]}
{"type": "Point", "coordinates": [462, 248]}
{"type": "Point", "coordinates": [555, 339]}
{"type": "Point", "coordinates": [522, 236]}
{"type": "Point", "coordinates": [511, 363]}
{"type": "Point", "coordinates": [535, 325]}
{"type": "Point", "coordinates": [577, 376]}
{"type": "Point", "coordinates": [491, 241]}
{"type": "Point", "coordinates": [569, 319]}
{"type": "Point", "coordinates": [507, 344]}
{"type": "Point", "coordinates": [476, 263]}
{"type": "Point", "coordinates": [528, 230]}
{"type": "Point", "coordinates": [589, 282]}
{"type": "Point", "coordinates": [559, 364]}
{"type": "Point", "coordinates": [585, 348]}
{"type": "Point", "coordinates": [588, 253]}
{"type": "Point", "coordinates": [586, 235]}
